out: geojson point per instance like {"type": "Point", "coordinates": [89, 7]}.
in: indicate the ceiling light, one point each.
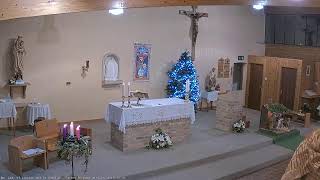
{"type": "Point", "coordinates": [116, 11]}
{"type": "Point", "coordinates": [258, 6]}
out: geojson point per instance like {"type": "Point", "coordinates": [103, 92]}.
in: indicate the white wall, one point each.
{"type": "Point", "coordinates": [57, 46]}
{"type": "Point", "coordinates": [229, 32]}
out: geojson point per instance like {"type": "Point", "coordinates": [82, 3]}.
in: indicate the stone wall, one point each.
{"type": "Point", "coordinates": [138, 136]}
{"type": "Point", "coordinates": [229, 109]}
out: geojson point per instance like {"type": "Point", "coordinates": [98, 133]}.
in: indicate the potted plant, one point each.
{"type": "Point", "coordinates": [160, 140]}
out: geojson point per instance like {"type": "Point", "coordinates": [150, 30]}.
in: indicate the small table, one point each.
{"type": "Point", "coordinates": [8, 111]}
{"type": "Point", "coordinates": [35, 110]}
{"type": "Point", "coordinates": [208, 97]}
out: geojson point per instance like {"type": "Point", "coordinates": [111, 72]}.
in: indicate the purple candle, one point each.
{"type": "Point", "coordinates": [65, 131]}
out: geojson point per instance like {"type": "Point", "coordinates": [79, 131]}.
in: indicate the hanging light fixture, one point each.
{"type": "Point", "coordinates": [116, 12]}
{"type": "Point", "coordinates": [260, 5]}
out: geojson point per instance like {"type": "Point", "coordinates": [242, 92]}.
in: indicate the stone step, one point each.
{"type": "Point", "coordinates": [228, 168]}
{"type": "Point", "coordinates": [144, 162]}
{"type": "Point", "coordinates": [190, 155]}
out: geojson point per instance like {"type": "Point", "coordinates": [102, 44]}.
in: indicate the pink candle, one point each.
{"type": "Point", "coordinates": [78, 132]}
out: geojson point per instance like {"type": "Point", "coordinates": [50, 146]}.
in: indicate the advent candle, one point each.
{"type": "Point", "coordinates": [65, 131]}
{"type": "Point", "coordinates": [123, 89]}
{"type": "Point", "coordinates": [71, 129]}
{"type": "Point", "coordinates": [78, 132]}
{"type": "Point", "coordinates": [129, 84]}
{"type": "Point", "coordinates": [187, 85]}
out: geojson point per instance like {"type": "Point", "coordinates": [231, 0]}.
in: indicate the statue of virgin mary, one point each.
{"type": "Point", "coordinates": [18, 53]}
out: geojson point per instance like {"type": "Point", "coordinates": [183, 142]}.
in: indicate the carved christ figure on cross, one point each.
{"type": "Point", "coordinates": [194, 16]}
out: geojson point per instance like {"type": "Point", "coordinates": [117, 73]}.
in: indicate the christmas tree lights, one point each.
{"type": "Point", "coordinates": [180, 73]}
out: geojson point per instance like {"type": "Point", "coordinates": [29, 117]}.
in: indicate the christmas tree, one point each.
{"type": "Point", "coordinates": [180, 73]}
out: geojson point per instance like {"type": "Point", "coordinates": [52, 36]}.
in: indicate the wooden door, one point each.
{"type": "Point", "coordinates": [288, 86]}
{"type": "Point", "coordinates": [237, 76]}
{"type": "Point", "coordinates": [255, 86]}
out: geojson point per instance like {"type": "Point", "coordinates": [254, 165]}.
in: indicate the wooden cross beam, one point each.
{"type": "Point", "coordinates": [194, 16]}
{"type": "Point", "coordinates": [11, 9]}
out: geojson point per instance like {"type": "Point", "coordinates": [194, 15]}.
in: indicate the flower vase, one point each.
{"type": "Point", "coordinates": [247, 124]}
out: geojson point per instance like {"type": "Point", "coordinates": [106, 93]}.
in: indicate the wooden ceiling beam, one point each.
{"type": "Point", "coordinates": [11, 9]}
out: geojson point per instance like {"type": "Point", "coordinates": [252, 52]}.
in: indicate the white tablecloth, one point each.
{"type": "Point", "coordinates": [152, 111]}
{"type": "Point", "coordinates": [37, 110]}
{"type": "Point", "coordinates": [7, 110]}
{"type": "Point", "coordinates": [210, 96]}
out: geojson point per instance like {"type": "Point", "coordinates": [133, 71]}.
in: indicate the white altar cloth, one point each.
{"type": "Point", "coordinates": [7, 109]}
{"type": "Point", "coordinates": [37, 110]}
{"type": "Point", "coordinates": [153, 110]}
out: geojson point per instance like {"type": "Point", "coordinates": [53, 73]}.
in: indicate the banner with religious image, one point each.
{"type": "Point", "coordinates": [141, 62]}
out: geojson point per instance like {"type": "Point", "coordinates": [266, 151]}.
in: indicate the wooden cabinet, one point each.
{"type": "Point", "coordinates": [273, 86]}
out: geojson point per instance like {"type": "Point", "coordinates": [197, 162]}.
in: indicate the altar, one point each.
{"type": "Point", "coordinates": [131, 128]}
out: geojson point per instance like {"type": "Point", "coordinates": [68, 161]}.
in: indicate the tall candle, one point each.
{"type": "Point", "coordinates": [123, 89]}
{"type": "Point", "coordinates": [78, 132]}
{"type": "Point", "coordinates": [71, 129]}
{"type": "Point", "coordinates": [129, 84]}
{"type": "Point", "coordinates": [65, 131]}
{"type": "Point", "coordinates": [187, 85]}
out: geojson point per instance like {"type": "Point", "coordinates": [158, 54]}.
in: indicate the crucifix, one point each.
{"type": "Point", "coordinates": [194, 16]}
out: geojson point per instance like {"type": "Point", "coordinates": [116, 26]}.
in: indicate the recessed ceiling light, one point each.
{"type": "Point", "coordinates": [116, 11]}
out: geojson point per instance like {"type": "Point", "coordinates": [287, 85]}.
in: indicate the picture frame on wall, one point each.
{"type": "Point", "coordinates": [142, 54]}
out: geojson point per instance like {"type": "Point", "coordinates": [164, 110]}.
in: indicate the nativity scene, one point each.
{"type": "Point", "coordinates": [159, 90]}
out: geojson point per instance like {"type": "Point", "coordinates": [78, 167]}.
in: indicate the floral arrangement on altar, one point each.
{"type": "Point", "coordinates": [239, 126]}
{"type": "Point", "coordinates": [160, 140]}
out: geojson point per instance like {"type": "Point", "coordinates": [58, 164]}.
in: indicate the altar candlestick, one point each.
{"type": "Point", "coordinates": [71, 129]}
{"type": "Point", "coordinates": [129, 84]}
{"type": "Point", "coordinates": [78, 132]}
{"type": "Point", "coordinates": [187, 85]}
{"type": "Point", "coordinates": [65, 131]}
{"type": "Point", "coordinates": [123, 89]}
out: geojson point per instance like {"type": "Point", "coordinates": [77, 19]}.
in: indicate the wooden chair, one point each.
{"type": "Point", "coordinates": [16, 155]}
{"type": "Point", "coordinates": [86, 132]}
{"type": "Point", "coordinates": [49, 132]}
{"type": "Point", "coordinates": [36, 121]}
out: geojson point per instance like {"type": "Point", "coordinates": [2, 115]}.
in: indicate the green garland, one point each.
{"type": "Point", "coordinates": [75, 148]}
{"type": "Point", "coordinates": [277, 108]}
